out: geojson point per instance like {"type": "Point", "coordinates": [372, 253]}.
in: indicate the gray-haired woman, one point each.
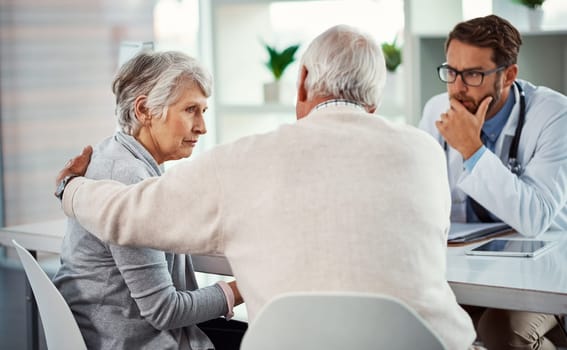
{"type": "Point", "coordinates": [138, 298]}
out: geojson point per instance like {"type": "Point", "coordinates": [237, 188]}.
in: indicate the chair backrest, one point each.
{"type": "Point", "coordinates": [59, 325]}
{"type": "Point", "coordinates": [334, 321]}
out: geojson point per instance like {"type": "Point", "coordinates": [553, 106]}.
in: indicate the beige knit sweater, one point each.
{"type": "Point", "coordinates": [339, 201]}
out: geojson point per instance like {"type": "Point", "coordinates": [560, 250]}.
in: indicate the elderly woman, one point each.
{"type": "Point", "coordinates": [136, 298]}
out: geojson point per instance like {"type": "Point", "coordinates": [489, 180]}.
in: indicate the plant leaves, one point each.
{"type": "Point", "coordinates": [392, 55]}
{"type": "Point", "coordinates": [279, 61]}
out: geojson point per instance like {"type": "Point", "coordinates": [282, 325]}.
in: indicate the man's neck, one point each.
{"type": "Point", "coordinates": [340, 102]}
{"type": "Point", "coordinates": [303, 108]}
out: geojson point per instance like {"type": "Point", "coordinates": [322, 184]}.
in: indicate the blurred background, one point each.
{"type": "Point", "coordinates": [58, 59]}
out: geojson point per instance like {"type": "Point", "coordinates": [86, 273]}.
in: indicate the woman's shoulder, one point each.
{"type": "Point", "coordinates": [112, 161]}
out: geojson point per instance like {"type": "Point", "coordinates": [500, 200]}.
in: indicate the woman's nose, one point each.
{"type": "Point", "coordinates": [200, 127]}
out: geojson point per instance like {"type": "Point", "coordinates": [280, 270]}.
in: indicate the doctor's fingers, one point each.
{"type": "Point", "coordinates": [459, 119]}
{"type": "Point", "coordinates": [439, 123]}
{"type": "Point", "coordinates": [445, 118]}
{"type": "Point", "coordinates": [483, 109]}
{"type": "Point", "coordinates": [442, 125]}
{"type": "Point", "coordinates": [449, 124]}
{"type": "Point", "coordinates": [460, 113]}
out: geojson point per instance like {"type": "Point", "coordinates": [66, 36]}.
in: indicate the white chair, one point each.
{"type": "Point", "coordinates": [333, 321]}
{"type": "Point", "coordinates": [59, 325]}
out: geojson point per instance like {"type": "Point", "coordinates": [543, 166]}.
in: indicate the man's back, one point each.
{"type": "Point", "coordinates": [341, 200]}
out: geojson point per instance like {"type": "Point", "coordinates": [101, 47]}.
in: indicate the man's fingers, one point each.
{"type": "Point", "coordinates": [87, 151]}
{"type": "Point", "coordinates": [483, 108]}
{"type": "Point", "coordinates": [440, 126]}
{"type": "Point", "coordinates": [456, 105]}
{"type": "Point", "coordinates": [77, 165]}
{"type": "Point", "coordinates": [80, 163]}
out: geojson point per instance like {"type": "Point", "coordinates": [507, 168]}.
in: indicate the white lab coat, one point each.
{"type": "Point", "coordinates": [534, 201]}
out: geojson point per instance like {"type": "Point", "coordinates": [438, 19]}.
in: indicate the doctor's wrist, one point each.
{"type": "Point", "coordinates": [470, 163]}
{"type": "Point", "coordinates": [469, 151]}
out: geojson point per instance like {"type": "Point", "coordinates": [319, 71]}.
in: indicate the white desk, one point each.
{"type": "Point", "coordinates": [531, 284]}
{"type": "Point", "coordinates": [46, 237]}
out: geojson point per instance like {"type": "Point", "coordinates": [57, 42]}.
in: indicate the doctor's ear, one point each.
{"type": "Point", "coordinates": [510, 74]}
{"type": "Point", "coordinates": [141, 111]}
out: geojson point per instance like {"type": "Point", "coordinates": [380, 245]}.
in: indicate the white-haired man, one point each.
{"type": "Point", "coordinates": [341, 200]}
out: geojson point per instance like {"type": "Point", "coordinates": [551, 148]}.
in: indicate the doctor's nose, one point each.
{"type": "Point", "coordinates": [459, 85]}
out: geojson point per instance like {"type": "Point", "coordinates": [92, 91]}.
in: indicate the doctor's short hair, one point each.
{"type": "Point", "coordinates": [343, 62]}
{"type": "Point", "coordinates": [162, 77]}
{"type": "Point", "coordinates": [490, 32]}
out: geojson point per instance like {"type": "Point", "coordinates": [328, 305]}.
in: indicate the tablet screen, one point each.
{"type": "Point", "coordinates": [511, 247]}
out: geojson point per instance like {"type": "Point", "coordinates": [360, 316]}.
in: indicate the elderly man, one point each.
{"type": "Point", "coordinates": [342, 200]}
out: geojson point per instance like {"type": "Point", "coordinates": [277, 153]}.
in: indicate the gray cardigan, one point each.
{"type": "Point", "coordinates": [132, 298]}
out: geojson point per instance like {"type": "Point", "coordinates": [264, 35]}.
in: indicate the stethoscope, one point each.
{"type": "Point", "coordinates": [513, 164]}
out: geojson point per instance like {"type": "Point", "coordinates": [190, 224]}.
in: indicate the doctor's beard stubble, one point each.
{"type": "Point", "coordinates": [496, 94]}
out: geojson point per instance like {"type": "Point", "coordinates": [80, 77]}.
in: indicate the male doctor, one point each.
{"type": "Point", "coordinates": [506, 152]}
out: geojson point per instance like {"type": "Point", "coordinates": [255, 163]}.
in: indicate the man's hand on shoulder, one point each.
{"type": "Point", "coordinates": [75, 167]}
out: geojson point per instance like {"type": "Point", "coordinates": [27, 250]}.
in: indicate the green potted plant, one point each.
{"type": "Point", "coordinates": [532, 4]}
{"type": "Point", "coordinates": [392, 55]}
{"type": "Point", "coordinates": [535, 12]}
{"type": "Point", "coordinates": [277, 63]}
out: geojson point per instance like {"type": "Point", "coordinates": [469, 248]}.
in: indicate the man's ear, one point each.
{"type": "Point", "coordinates": [301, 90]}
{"type": "Point", "coordinates": [141, 111]}
{"type": "Point", "coordinates": [510, 75]}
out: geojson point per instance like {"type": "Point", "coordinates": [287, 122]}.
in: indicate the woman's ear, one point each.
{"type": "Point", "coordinates": [141, 111]}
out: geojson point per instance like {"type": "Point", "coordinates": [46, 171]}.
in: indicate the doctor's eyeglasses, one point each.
{"type": "Point", "coordinates": [471, 77]}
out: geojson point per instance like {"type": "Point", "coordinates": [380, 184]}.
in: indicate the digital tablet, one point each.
{"type": "Point", "coordinates": [512, 247]}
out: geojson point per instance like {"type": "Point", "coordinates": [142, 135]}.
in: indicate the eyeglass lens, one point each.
{"type": "Point", "coordinates": [472, 78]}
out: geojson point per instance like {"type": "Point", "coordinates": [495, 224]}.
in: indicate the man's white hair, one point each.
{"type": "Point", "coordinates": [345, 63]}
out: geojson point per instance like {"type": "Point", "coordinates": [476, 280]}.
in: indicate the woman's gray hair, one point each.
{"type": "Point", "coordinates": [161, 76]}
{"type": "Point", "coordinates": [344, 63]}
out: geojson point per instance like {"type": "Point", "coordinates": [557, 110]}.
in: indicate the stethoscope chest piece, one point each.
{"type": "Point", "coordinates": [514, 166]}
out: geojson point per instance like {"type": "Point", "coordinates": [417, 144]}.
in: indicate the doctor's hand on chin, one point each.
{"type": "Point", "coordinates": [461, 129]}
{"type": "Point", "coordinates": [75, 167]}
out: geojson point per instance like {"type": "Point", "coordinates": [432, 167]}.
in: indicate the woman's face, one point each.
{"type": "Point", "coordinates": [175, 136]}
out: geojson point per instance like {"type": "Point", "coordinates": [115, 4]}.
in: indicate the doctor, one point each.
{"type": "Point", "coordinates": [521, 182]}
{"type": "Point", "coordinates": [506, 151]}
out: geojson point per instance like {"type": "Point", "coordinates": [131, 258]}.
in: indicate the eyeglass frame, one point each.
{"type": "Point", "coordinates": [458, 72]}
